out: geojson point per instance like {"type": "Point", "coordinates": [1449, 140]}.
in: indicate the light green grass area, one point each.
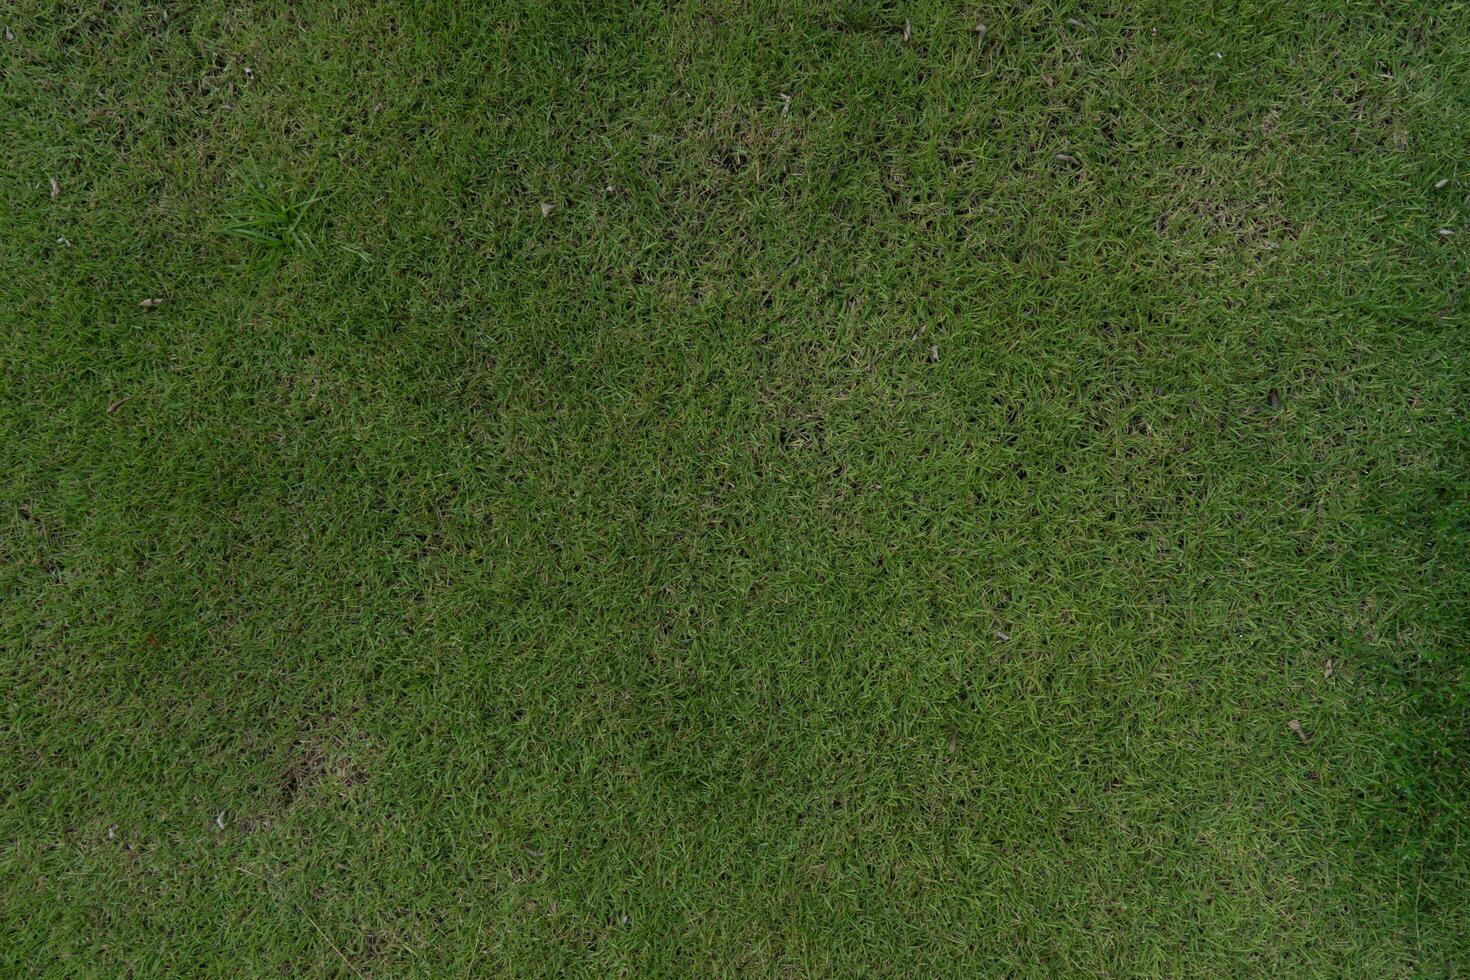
{"type": "Point", "coordinates": [734, 488]}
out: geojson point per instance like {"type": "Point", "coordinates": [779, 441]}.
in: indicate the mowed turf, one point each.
{"type": "Point", "coordinates": [733, 488]}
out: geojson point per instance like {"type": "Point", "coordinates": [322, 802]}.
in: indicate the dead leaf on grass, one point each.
{"type": "Point", "coordinates": [150, 303]}
{"type": "Point", "coordinates": [1296, 726]}
{"type": "Point", "coordinates": [1328, 668]}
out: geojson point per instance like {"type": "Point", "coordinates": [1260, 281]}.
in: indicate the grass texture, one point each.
{"type": "Point", "coordinates": [734, 488]}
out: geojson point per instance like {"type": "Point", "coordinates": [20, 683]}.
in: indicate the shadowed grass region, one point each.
{"type": "Point", "coordinates": [734, 488]}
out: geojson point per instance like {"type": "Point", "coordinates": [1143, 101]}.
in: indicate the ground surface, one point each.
{"type": "Point", "coordinates": [730, 488]}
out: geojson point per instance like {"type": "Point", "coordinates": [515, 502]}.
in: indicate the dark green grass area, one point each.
{"type": "Point", "coordinates": [883, 519]}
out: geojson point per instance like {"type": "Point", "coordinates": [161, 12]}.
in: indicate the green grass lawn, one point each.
{"type": "Point", "coordinates": [734, 488]}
